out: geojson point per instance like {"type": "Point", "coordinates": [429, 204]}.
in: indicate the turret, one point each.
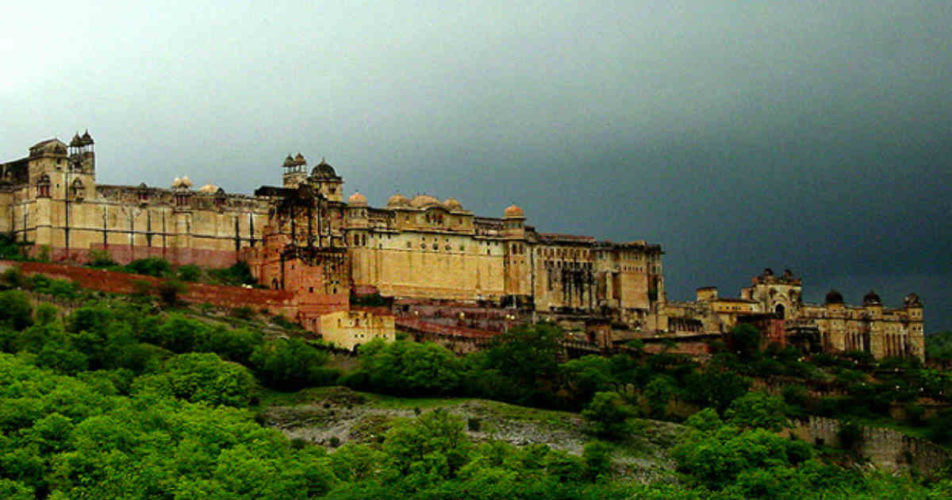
{"type": "Point", "coordinates": [326, 181]}
{"type": "Point", "coordinates": [873, 304]}
{"type": "Point", "coordinates": [514, 222]}
{"type": "Point", "coordinates": [295, 171]}
{"type": "Point", "coordinates": [707, 293]}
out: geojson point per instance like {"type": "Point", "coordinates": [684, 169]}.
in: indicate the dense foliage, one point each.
{"type": "Point", "coordinates": [118, 399]}
{"type": "Point", "coordinates": [939, 346]}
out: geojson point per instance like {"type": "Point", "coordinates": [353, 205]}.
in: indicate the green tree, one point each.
{"type": "Point", "coordinates": [659, 392]}
{"type": "Point", "coordinates": [715, 387]}
{"type": "Point", "coordinates": [409, 368]}
{"type": "Point", "coordinates": [587, 375]}
{"type": "Point", "coordinates": [598, 460]}
{"type": "Point", "coordinates": [15, 490]}
{"type": "Point", "coordinates": [432, 444]}
{"type": "Point", "coordinates": [757, 410]}
{"type": "Point", "coordinates": [608, 414]}
{"type": "Point", "coordinates": [15, 309]}
{"type": "Point", "coordinates": [746, 341]}
{"type": "Point", "coordinates": [152, 266]}
{"type": "Point", "coordinates": [528, 356]}
{"type": "Point", "coordinates": [189, 272]}
{"type": "Point", "coordinates": [201, 377]}
{"type": "Point", "coordinates": [290, 364]}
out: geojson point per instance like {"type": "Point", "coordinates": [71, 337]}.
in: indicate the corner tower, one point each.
{"type": "Point", "coordinates": [295, 171]}
{"type": "Point", "coordinates": [326, 181]}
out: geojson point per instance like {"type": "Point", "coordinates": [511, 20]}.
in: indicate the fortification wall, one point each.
{"type": "Point", "coordinates": [275, 301]}
{"type": "Point", "coordinates": [885, 448]}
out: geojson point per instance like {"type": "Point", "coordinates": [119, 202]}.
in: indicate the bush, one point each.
{"type": "Point", "coordinates": [189, 272]}
{"type": "Point", "coordinates": [290, 364]}
{"type": "Point", "coordinates": [608, 414]}
{"type": "Point", "coordinates": [757, 410]}
{"type": "Point", "coordinates": [57, 288]}
{"type": "Point", "coordinates": [169, 291]}
{"type": "Point", "coordinates": [717, 388]}
{"type": "Point", "coordinates": [16, 311]}
{"type": "Point", "coordinates": [201, 377]}
{"type": "Point", "coordinates": [101, 259]}
{"type": "Point", "coordinates": [14, 278]}
{"type": "Point", "coordinates": [598, 460]}
{"type": "Point", "coordinates": [10, 249]}
{"type": "Point", "coordinates": [850, 435]}
{"type": "Point", "coordinates": [410, 368]}
{"type": "Point", "coordinates": [236, 275]}
{"type": "Point", "coordinates": [243, 312]}
{"type": "Point", "coordinates": [152, 266]}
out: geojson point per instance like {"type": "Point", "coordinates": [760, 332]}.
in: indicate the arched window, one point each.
{"type": "Point", "coordinates": [43, 186]}
{"type": "Point", "coordinates": [77, 189]}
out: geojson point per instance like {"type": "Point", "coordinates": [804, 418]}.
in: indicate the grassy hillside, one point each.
{"type": "Point", "coordinates": [333, 416]}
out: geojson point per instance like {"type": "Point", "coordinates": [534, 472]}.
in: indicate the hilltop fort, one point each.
{"type": "Point", "coordinates": [436, 264]}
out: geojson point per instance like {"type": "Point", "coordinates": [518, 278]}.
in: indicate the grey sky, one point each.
{"type": "Point", "coordinates": [739, 135]}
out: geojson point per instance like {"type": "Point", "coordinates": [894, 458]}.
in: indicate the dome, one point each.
{"type": "Point", "coordinates": [323, 170]}
{"type": "Point", "coordinates": [512, 211]}
{"type": "Point", "coordinates": [209, 188]}
{"type": "Point", "coordinates": [288, 162]}
{"type": "Point", "coordinates": [299, 159]}
{"type": "Point", "coordinates": [424, 200]}
{"type": "Point", "coordinates": [834, 297]}
{"type": "Point", "coordinates": [871, 299]}
{"type": "Point", "coordinates": [453, 204]}
{"type": "Point", "coordinates": [87, 139]}
{"type": "Point", "coordinates": [76, 142]}
{"type": "Point", "coordinates": [398, 200]}
{"type": "Point", "coordinates": [357, 199]}
{"type": "Point", "coordinates": [912, 300]}
{"type": "Point", "coordinates": [177, 182]}
{"type": "Point", "coordinates": [186, 182]}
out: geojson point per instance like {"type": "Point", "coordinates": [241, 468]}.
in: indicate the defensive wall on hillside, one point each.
{"type": "Point", "coordinates": [326, 314]}
{"type": "Point", "coordinates": [885, 448]}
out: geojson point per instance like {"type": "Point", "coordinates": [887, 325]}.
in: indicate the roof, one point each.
{"type": "Point", "coordinates": [574, 238]}
{"type": "Point", "coordinates": [324, 170]}
{"type": "Point", "coordinates": [735, 300]}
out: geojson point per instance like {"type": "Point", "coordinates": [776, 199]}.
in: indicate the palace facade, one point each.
{"type": "Point", "coordinates": [774, 303]}
{"type": "Point", "coordinates": [304, 236]}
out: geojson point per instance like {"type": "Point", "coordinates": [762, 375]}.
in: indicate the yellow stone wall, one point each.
{"type": "Point", "coordinates": [407, 265]}
{"type": "Point", "coordinates": [348, 329]}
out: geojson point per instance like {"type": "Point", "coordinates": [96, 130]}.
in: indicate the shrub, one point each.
{"type": "Point", "coordinates": [100, 259]}
{"type": "Point", "coordinates": [14, 278]}
{"type": "Point", "coordinates": [57, 288]}
{"type": "Point", "coordinates": [169, 291]}
{"type": "Point", "coordinates": [152, 266]}
{"type": "Point", "coordinates": [236, 275]}
{"type": "Point", "coordinates": [757, 410]}
{"type": "Point", "coordinates": [289, 364]}
{"type": "Point", "coordinates": [189, 272]}
{"type": "Point", "coordinates": [410, 368]}
{"type": "Point", "coordinates": [201, 377]}
{"type": "Point", "coordinates": [598, 460]}
{"type": "Point", "coordinates": [473, 424]}
{"type": "Point", "coordinates": [15, 309]}
{"type": "Point", "coordinates": [850, 435]}
{"type": "Point", "coordinates": [243, 312]}
{"type": "Point", "coordinates": [608, 414]}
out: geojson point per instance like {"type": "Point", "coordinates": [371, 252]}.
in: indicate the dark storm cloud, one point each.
{"type": "Point", "coordinates": [740, 135]}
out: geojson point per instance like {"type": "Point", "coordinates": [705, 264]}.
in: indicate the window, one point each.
{"type": "Point", "coordinates": [77, 190]}
{"type": "Point", "coordinates": [43, 186]}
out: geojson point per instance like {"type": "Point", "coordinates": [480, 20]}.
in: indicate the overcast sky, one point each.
{"type": "Point", "coordinates": [739, 135]}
